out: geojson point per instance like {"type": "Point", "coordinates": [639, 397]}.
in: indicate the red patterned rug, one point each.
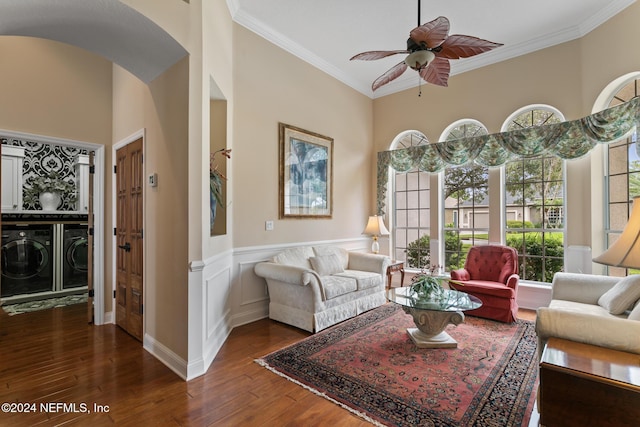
{"type": "Point", "coordinates": [370, 366]}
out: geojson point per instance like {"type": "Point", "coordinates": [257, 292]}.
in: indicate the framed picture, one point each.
{"type": "Point", "coordinates": [306, 174]}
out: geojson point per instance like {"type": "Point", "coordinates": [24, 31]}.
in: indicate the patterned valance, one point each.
{"type": "Point", "coordinates": [566, 140]}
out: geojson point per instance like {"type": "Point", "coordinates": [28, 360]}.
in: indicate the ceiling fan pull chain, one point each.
{"type": "Point", "coordinates": [419, 86]}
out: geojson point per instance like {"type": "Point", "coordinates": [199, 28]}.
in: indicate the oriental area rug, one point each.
{"type": "Point", "coordinates": [370, 366]}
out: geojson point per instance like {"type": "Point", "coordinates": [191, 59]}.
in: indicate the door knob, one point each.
{"type": "Point", "coordinates": [126, 247]}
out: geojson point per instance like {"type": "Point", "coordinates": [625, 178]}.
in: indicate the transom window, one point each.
{"type": "Point", "coordinates": [534, 202]}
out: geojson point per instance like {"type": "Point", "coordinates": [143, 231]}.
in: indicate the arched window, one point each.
{"type": "Point", "coordinates": [464, 199]}
{"type": "Point", "coordinates": [411, 208]}
{"type": "Point", "coordinates": [534, 201]}
{"type": "Point", "coordinates": [622, 175]}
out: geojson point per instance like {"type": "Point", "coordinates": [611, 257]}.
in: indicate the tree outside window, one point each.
{"type": "Point", "coordinates": [465, 200]}
{"type": "Point", "coordinates": [534, 203]}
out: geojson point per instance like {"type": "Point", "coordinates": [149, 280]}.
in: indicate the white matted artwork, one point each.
{"type": "Point", "coordinates": [306, 174]}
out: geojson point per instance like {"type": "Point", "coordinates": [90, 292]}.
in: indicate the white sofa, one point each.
{"type": "Point", "coordinates": [587, 308]}
{"type": "Point", "coordinates": [313, 288]}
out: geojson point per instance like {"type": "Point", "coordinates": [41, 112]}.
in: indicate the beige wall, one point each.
{"type": "Point", "coordinates": [272, 86]}
{"type": "Point", "coordinates": [217, 83]}
{"type": "Point", "coordinates": [53, 89]}
{"type": "Point", "coordinates": [161, 109]}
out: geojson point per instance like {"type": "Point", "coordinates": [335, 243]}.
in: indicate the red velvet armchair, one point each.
{"type": "Point", "coordinates": [491, 274]}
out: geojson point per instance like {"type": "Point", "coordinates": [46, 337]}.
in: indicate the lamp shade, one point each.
{"type": "Point", "coordinates": [375, 227]}
{"type": "Point", "coordinates": [625, 252]}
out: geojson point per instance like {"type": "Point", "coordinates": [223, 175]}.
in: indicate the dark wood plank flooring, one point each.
{"type": "Point", "coordinates": [53, 358]}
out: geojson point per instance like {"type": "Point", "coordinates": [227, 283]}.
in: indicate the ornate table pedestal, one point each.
{"type": "Point", "coordinates": [432, 313]}
{"type": "Point", "coordinates": [430, 332]}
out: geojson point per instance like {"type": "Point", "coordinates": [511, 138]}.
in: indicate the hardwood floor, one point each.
{"type": "Point", "coordinates": [53, 358]}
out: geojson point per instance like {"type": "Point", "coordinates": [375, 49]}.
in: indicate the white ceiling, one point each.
{"type": "Point", "coordinates": [327, 33]}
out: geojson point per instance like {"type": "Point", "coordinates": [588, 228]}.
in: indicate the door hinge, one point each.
{"type": "Point", "coordinates": [92, 169]}
{"type": "Point", "coordinates": [115, 169]}
{"type": "Point", "coordinates": [114, 231]}
{"type": "Point", "coordinates": [90, 231]}
{"type": "Point", "coordinates": [142, 233]}
{"type": "Point", "coordinates": [114, 294]}
{"type": "Point", "coordinates": [92, 293]}
{"type": "Point", "coordinates": [141, 308]}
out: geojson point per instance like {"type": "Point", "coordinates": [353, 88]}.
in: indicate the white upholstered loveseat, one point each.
{"type": "Point", "coordinates": [313, 288]}
{"type": "Point", "coordinates": [592, 309]}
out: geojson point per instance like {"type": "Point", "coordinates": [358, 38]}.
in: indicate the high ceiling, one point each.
{"type": "Point", "coordinates": [327, 33]}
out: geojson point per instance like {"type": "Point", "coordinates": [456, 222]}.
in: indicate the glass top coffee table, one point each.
{"type": "Point", "coordinates": [432, 314]}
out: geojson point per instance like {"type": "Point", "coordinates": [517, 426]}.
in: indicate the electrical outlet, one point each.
{"type": "Point", "coordinates": [268, 225]}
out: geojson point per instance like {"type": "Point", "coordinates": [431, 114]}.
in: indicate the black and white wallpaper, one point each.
{"type": "Point", "coordinates": [42, 158]}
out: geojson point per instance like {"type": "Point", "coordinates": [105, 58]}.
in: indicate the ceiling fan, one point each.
{"type": "Point", "coordinates": [429, 49]}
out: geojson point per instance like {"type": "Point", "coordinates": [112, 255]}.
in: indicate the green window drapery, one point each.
{"type": "Point", "coordinates": [567, 140]}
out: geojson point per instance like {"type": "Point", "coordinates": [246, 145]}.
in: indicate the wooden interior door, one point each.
{"type": "Point", "coordinates": [129, 252]}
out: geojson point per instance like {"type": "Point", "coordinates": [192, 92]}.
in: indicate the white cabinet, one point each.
{"type": "Point", "coordinates": [82, 182]}
{"type": "Point", "coordinates": [12, 161]}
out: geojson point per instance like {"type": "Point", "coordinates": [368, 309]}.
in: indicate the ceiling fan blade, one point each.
{"type": "Point", "coordinates": [377, 54]}
{"type": "Point", "coordinates": [460, 46]}
{"type": "Point", "coordinates": [432, 33]}
{"type": "Point", "coordinates": [390, 75]}
{"type": "Point", "coordinates": [437, 72]}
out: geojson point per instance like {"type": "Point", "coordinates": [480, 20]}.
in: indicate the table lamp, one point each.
{"type": "Point", "coordinates": [375, 227]}
{"type": "Point", "coordinates": [625, 252]}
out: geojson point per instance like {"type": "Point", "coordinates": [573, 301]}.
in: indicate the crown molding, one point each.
{"type": "Point", "coordinates": [285, 43]}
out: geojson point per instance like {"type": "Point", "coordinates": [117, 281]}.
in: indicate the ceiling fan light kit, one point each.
{"type": "Point", "coordinates": [429, 50]}
{"type": "Point", "coordinates": [419, 59]}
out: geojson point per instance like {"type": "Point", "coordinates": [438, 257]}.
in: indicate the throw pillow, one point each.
{"type": "Point", "coordinates": [326, 265]}
{"type": "Point", "coordinates": [622, 296]}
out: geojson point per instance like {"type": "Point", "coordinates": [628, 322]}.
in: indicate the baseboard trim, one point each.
{"type": "Point", "coordinates": [166, 356]}
{"type": "Point", "coordinates": [532, 296]}
{"type": "Point", "coordinates": [109, 318]}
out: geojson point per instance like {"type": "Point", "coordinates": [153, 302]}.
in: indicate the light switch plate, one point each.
{"type": "Point", "coordinates": [268, 225]}
{"type": "Point", "coordinates": [153, 180]}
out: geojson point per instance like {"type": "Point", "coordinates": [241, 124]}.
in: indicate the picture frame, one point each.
{"type": "Point", "coordinates": [306, 174]}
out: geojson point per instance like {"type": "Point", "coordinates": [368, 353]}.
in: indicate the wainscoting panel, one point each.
{"type": "Point", "coordinates": [217, 289]}
{"type": "Point", "coordinates": [224, 292]}
{"type": "Point", "coordinates": [253, 298]}
{"type": "Point", "coordinates": [253, 289]}
{"type": "Point", "coordinates": [532, 295]}
{"type": "Point", "coordinates": [578, 259]}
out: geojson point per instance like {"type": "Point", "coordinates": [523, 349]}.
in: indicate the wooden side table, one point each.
{"type": "Point", "coordinates": [394, 267]}
{"type": "Point", "coordinates": [586, 385]}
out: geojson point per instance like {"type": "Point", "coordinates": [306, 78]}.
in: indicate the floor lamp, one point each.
{"type": "Point", "coordinates": [625, 252]}
{"type": "Point", "coordinates": [375, 227]}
